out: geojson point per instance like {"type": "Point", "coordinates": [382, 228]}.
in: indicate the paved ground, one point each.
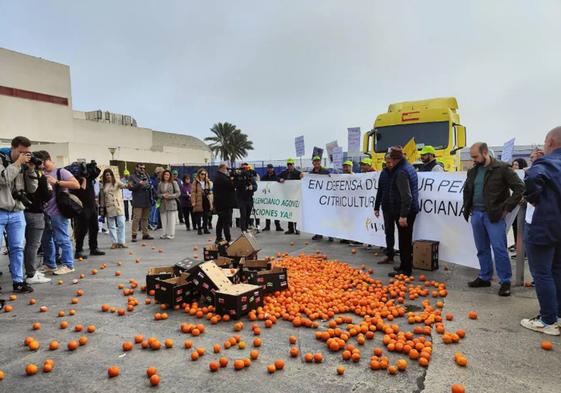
{"type": "Point", "coordinates": [503, 357]}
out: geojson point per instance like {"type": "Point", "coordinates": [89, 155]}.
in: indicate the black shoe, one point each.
{"type": "Point", "coordinates": [479, 283]}
{"type": "Point", "coordinates": [289, 232]}
{"type": "Point", "coordinates": [398, 268]}
{"type": "Point", "coordinates": [199, 232]}
{"type": "Point", "coordinates": [80, 254]}
{"type": "Point", "coordinates": [207, 232]}
{"type": "Point", "coordinates": [297, 232]}
{"type": "Point", "coordinates": [97, 252]}
{"type": "Point", "coordinates": [133, 239]}
{"type": "Point", "coordinates": [147, 237]}
{"type": "Point", "coordinates": [343, 241]}
{"type": "Point", "coordinates": [266, 229]}
{"type": "Point", "coordinates": [22, 287]}
{"type": "Point", "coordinates": [330, 239]}
{"type": "Point", "coordinates": [188, 228]}
{"type": "Point", "coordinates": [505, 289]}
{"type": "Point", "coordinates": [317, 237]}
{"type": "Point", "coordinates": [279, 229]}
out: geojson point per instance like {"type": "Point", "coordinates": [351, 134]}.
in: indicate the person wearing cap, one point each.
{"type": "Point", "coordinates": [440, 162]}
{"type": "Point", "coordinates": [366, 165]}
{"type": "Point", "coordinates": [317, 169]}
{"type": "Point", "coordinates": [428, 156]}
{"type": "Point", "coordinates": [127, 194]}
{"type": "Point", "coordinates": [404, 204]}
{"type": "Point", "coordinates": [175, 178]}
{"type": "Point", "coordinates": [348, 168]}
{"type": "Point", "coordinates": [270, 175]}
{"type": "Point", "coordinates": [290, 173]}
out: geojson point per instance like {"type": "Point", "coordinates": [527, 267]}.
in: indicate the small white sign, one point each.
{"type": "Point", "coordinates": [338, 157]}
{"type": "Point", "coordinates": [508, 151]}
{"type": "Point", "coordinates": [354, 139]}
{"type": "Point", "coordinates": [299, 146]}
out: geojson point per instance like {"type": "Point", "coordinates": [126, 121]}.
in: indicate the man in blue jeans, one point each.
{"type": "Point", "coordinates": [543, 236]}
{"type": "Point", "coordinates": [487, 199]}
{"type": "Point", "coordinates": [17, 179]}
{"type": "Point", "coordinates": [56, 232]}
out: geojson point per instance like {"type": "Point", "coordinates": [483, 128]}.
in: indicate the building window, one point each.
{"type": "Point", "coordinates": [31, 95]}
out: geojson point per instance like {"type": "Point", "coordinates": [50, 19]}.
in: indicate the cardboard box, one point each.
{"type": "Point", "coordinates": [272, 280]}
{"type": "Point", "coordinates": [425, 254]}
{"type": "Point", "coordinates": [155, 273]}
{"type": "Point", "coordinates": [238, 300]}
{"type": "Point", "coordinates": [186, 266]}
{"type": "Point", "coordinates": [176, 291]}
{"type": "Point", "coordinates": [234, 275]}
{"type": "Point", "coordinates": [213, 251]}
{"type": "Point", "coordinates": [244, 246]}
{"type": "Point", "coordinates": [247, 275]}
{"type": "Point", "coordinates": [256, 265]}
{"type": "Point", "coordinates": [225, 262]}
{"type": "Point", "coordinates": [209, 279]}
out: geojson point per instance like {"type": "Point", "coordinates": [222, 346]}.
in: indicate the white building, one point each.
{"type": "Point", "coordinates": [36, 102]}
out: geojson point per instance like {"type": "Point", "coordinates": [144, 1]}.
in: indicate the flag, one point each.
{"type": "Point", "coordinates": [410, 150]}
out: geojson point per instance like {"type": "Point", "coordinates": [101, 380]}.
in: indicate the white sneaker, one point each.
{"type": "Point", "coordinates": [38, 278]}
{"type": "Point", "coordinates": [63, 270]}
{"type": "Point", "coordinates": [537, 325]}
{"type": "Point", "coordinates": [164, 237]}
{"type": "Point", "coordinates": [171, 237]}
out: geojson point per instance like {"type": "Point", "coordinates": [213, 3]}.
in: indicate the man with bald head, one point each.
{"type": "Point", "coordinates": [543, 234]}
{"type": "Point", "coordinates": [487, 199]}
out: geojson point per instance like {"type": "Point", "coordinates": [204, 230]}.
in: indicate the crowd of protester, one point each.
{"type": "Point", "coordinates": [39, 201]}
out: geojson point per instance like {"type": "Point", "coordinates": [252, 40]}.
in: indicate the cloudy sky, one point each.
{"type": "Point", "coordinates": [279, 69]}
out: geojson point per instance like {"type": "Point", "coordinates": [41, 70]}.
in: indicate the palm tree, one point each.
{"type": "Point", "coordinates": [228, 142]}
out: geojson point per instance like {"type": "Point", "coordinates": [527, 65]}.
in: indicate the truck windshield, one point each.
{"type": "Point", "coordinates": [433, 134]}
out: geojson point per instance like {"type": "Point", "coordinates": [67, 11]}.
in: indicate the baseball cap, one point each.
{"type": "Point", "coordinates": [366, 161]}
{"type": "Point", "coordinates": [290, 161]}
{"type": "Point", "coordinates": [174, 172]}
{"type": "Point", "coordinates": [316, 158]}
{"type": "Point", "coordinates": [428, 150]}
{"type": "Point", "coordinates": [126, 172]}
{"type": "Point", "coordinates": [250, 166]}
{"type": "Point", "coordinates": [270, 166]}
{"type": "Point", "coordinates": [348, 163]}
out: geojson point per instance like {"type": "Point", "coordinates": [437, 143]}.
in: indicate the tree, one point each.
{"type": "Point", "coordinates": [228, 142]}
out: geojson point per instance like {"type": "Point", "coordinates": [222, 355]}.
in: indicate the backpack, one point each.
{"type": "Point", "coordinates": [70, 206]}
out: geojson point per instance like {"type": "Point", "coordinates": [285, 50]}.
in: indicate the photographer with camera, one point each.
{"type": "Point", "coordinates": [17, 179]}
{"type": "Point", "coordinates": [141, 188]}
{"type": "Point", "coordinates": [87, 222]}
{"type": "Point", "coordinates": [56, 231]}
{"type": "Point", "coordinates": [36, 220]}
{"type": "Point", "coordinates": [244, 181]}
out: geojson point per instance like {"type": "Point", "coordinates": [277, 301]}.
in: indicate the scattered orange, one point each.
{"type": "Point", "coordinates": [151, 371]}
{"type": "Point", "coordinates": [72, 345]}
{"type": "Point", "coordinates": [546, 345]}
{"type": "Point", "coordinates": [113, 371]}
{"type": "Point", "coordinates": [31, 369]}
{"type": "Point", "coordinates": [214, 366]}
{"type": "Point", "coordinates": [271, 368]}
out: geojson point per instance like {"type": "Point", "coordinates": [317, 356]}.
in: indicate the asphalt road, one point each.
{"type": "Point", "coordinates": [503, 357]}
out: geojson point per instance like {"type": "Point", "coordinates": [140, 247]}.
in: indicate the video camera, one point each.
{"type": "Point", "coordinates": [83, 170]}
{"type": "Point", "coordinates": [243, 174]}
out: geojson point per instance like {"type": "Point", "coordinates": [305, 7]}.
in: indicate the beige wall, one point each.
{"type": "Point", "coordinates": [39, 121]}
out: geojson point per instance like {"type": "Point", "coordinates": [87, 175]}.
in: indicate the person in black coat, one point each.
{"type": "Point", "coordinates": [224, 202]}
{"type": "Point", "coordinates": [271, 176]}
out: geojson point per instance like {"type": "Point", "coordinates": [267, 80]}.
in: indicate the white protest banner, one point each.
{"type": "Point", "coordinates": [300, 147]}
{"type": "Point", "coordinates": [353, 139]}
{"type": "Point", "coordinates": [329, 147]}
{"type": "Point", "coordinates": [508, 150]}
{"type": "Point", "coordinates": [342, 206]}
{"type": "Point", "coordinates": [276, 201]}
{"type": "Point", "coordinates": [338, 158]}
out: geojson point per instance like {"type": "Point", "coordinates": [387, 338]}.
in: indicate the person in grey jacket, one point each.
{"type": "Point", "coordinates": [139, 184]}
{"type": "Point", "coordinates": [17, 178]}
{"type": "Point", "coordinates": [168, 193]}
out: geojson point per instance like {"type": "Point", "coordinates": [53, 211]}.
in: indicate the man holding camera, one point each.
{"type": "Point", "coordinates": [245, 184]}
{"type": "Point", "coordinates": [87, 222]}
{"type": "Point", "coordinates": [17, 178]}
{"type": "Point", "coordinates": [224, 202]}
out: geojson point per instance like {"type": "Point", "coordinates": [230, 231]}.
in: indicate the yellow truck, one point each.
{"type": "Point", "coordinates": [433, 122]}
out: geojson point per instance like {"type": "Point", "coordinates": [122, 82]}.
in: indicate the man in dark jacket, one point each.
{"type": "Point", "coordinates": [317, 169]}
{"type": "Point", "coordinates": [87, 222]}
{"type": "Point", "coordinates": [141, 201]}
{"type": "Point", "coordinates": [224, 202]}
{"type": "Point", "coordinates": [404, 205]}
{"type": "Point", "coordinates": [244, 192]}
{"type": "Point", "coordinates": [271, 176]}
{"type": "Point", "coordinates": [543, 235]}
{"type": "Point", "coordinates": [35, 219]}
{"type": "Point", "coordinates": [290, 173]}
{"type": "Point", "coordinates": [383, 200]}
{"type": "Point", "coordinates": [488, 200]}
